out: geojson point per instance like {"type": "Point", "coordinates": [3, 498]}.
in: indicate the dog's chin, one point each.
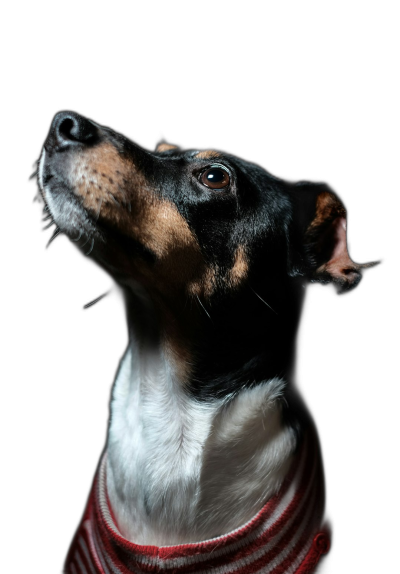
{"type": "Point", "coordinates": [66, 209]}
{"type": "Point", "coordinates": [73, 220]}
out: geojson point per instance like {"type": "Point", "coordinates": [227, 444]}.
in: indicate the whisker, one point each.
{"type": "Point", "coordinates": [79, 236]}
{"type": "Point", "coordinates": [52, 238]}
{"type": "Point", "coordinates": [265, 303]}
{"type": "Point", "coordinates": [51, 222]}
{"type": "Point", "coordinates": [91, 303]}
{"type": "Point", "coordinates": [48, 225]}
{"type": "Point", "coordinates": [113, 198]}
{"type": "Point", "coordinates": [47, 217]}
{"type": "Point", "coordinates": [99, 209]}
{"type": "Point", "coordinates": [205, 310]}
{"type": "Point", "coordinates": [126, 202]}
{"type": "Point", "coordinates": [91, 247]}
{"type": "Point", "coordinates": [34, 174]}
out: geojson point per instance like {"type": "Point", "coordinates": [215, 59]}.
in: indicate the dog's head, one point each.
{"type": "Point", "coordinates": [203, 232]}
{"type": "Point", "coordinates": [195, 221]}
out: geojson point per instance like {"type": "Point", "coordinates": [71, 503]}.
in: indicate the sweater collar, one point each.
{"type": "Point", "coordinates": [283, 537]}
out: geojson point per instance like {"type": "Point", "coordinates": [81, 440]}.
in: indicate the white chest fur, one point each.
{"type": "Point", "coordinates": [183, 471]}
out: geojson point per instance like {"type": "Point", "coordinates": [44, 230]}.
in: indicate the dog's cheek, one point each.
{"type": "Point", "coordinates": [177, 258]}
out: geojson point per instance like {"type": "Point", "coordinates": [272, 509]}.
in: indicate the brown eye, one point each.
{"type": "Point", "coordinates": [216, 177]}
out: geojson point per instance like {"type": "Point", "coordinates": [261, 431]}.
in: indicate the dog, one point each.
{"type": "Point", "coordinates": [212, 461]}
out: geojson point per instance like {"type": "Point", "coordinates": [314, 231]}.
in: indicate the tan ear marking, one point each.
{"type": "Point", "coordinates": [164, 146]}
{"type": "Point", "coordinates": [328, 207]}
{"type": "Point", "coordinates": [327, 234]}
{"type": "Point", "coordinates": [208, 154]}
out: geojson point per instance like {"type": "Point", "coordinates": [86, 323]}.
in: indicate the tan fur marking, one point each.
{"type": "Point", "coordinates": [163, 229]}
{"type": "Point", "coordinates": [98, 178]}
{"type": "Point", "coordinates": [208, 154]}
{"type": "Point", "coordinates": [163, 146]}
{"type": "Point", "coordinates": [204, 286]}
{"type": "Point", "coordinates": [207, 284]}
{"type": "Point", "coordinates": [240, 268]}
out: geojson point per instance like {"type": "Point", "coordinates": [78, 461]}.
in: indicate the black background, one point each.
{"type": "Point", "coordinates": [313, 113]}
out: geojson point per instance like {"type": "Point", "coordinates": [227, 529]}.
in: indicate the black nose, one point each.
{"type": "Point", "coordinates": [68, 129]}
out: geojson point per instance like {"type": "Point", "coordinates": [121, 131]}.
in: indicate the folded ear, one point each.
{"type": "Point", "coordinates": [321, 219]}
{"type": "Point", "coordinates": [166, 148]}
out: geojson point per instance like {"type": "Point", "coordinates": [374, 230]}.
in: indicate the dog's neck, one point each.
{"type": "Point", "coordinates": [180, 470]}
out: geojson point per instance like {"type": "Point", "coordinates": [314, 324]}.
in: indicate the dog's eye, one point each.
{"type": "Point", "coordinates": [216, 177]}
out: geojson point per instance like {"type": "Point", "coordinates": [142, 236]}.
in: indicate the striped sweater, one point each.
{"type": "Point", "coordinates": [283, 538]}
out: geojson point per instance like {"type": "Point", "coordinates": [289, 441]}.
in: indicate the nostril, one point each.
{"type": "Point", "coordinates": [69, 128]}
{"type": "Point", "coordinates": [65, 129]}
{"type": "Point", "coordinates": [75, 128]}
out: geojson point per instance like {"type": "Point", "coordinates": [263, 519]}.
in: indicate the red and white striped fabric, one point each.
{"type": "Point", "coordinates": [283, 538]}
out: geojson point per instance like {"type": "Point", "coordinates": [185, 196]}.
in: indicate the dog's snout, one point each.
{"type": "Point", "coordinates": [69, 129]}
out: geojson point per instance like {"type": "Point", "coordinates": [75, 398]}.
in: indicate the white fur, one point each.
{"type": "Point", "coordinates": [182, 471]}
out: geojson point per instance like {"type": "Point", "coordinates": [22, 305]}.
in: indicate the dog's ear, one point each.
{"type": "Point", "coordinates": [320, 223]}
{"type": "Point", "coordinates": [166, 148]}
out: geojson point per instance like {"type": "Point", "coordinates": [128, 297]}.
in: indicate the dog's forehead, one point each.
{"type": "Point", "coordinates": [192, 155]}
{"type": "Point", "coordinates": [247, 174]}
